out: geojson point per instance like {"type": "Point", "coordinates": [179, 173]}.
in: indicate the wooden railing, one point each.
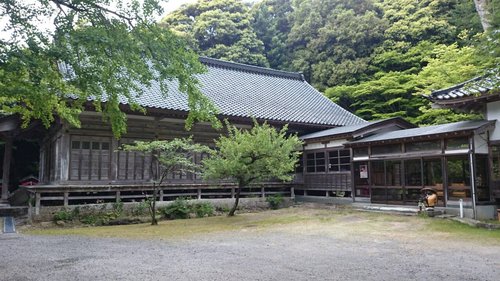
{"type": "Point", "coordinates": [48, 195]}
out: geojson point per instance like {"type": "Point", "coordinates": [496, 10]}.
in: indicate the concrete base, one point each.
{"type": "Point", "coordinates": [483, 212]}
{"type": "Point", "coordinates": [326, 200]}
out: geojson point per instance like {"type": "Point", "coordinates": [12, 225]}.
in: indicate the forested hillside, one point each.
{"type": "Point", "coordinates": [372, 57]}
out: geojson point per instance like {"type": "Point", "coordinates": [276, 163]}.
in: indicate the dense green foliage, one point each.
{"type": "Point", "coordinates": [105, 46]}
{"type": "Point", "coordinates": [373, 57]}
{"type": "Point", "coordinates": [219, 29]}
{"type": "Point", "coordinates": [181, 208]}
{"type": "Point", "coordinates": [251, 156]}
{"type": "Point", "coordinates": [275, 201]}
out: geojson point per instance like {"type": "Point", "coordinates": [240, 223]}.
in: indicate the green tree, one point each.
{"type": "Point", "coordinates": [331, 40]}
{"type": "Point", "coordinates": [251, 156]}
{"type": "Point", "coordinates": [272, 25]}
{"type": "Point", "coordinates": [167, 157]}
{"type": "Point", "coordinates": [220, 29]}
{"type": "Point", "coordinates": [90, 52]}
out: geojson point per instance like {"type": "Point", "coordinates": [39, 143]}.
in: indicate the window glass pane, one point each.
{"type": "Point", "coordinates": [75, 145]}
{"type": "Point", "coordinates": [393, 173]}
{"type": "Point", "coordinates": [85, 145]}
{"type": "Point", "coordinates": [345, 160]}
{"type": "Point", "coordinates": [458, 143]}
{"type": "Point", "coordinates": [413, 172]}
{"type": "Point", "coordinates": [320, 161]}
{"type": "Point", "coordinates": [378, 173]}
{"type": "Point", "coordinates": [495, 154]}
{"type": "Point", "coordinates": [333, 154]}
{"type": "Point", "coordinates": [345, 153]}
{"type": "Point", "coordinates": [483, 191]}
{"type": "Point", "coordinates": [433, 173]}
{"type": "Point", "coordinates": [386, 149]}
{"type": "Point", "coordinates": [95, 145]}
{"type": "Point", "coordinates": [423, 146]}
{"type": "Point", "coordinates": [310, 163]}
{"type": "Point", "coordinates": [344, 168]}
{"type": "Point", "coordinates": [458, 177]}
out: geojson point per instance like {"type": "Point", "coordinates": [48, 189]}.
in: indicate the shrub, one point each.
{"type": "Point", "coordinates": [118, 208]}
{"type": "Point", "coordinates": [274, 201]}
{"type": "Point", "coordinates": [179, 209]}
{"type": "Point", "coordinates": [140, 209]}
{"type": "Point", "coordinates": [63, 215]}
{"type": "Point", "coordinates": [203, 209]}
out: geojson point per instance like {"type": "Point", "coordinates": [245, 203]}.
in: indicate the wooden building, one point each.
{"type": "Point", "coordinates": [81, 164]}
{"type": "Point", "coordinates": [391, 161]}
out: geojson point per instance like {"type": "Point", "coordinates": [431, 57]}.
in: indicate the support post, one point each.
{"type": "Point", "coordinates": [199, 193]}
{"type": "Point", "coordinates": [6, 169]}
{"type": "Point", "coordinates": [472, 176]}
{"type": "Point", "coordinates": [66, 195]}
{"type": "Point", "coordinates": [37, 203]}
{"type": "Point", "coordinates": [263, 192]}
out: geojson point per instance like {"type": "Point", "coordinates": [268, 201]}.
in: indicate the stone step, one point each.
{"type": "Point", "coordinates": [9, 225]}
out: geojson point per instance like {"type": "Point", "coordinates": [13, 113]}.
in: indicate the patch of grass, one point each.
{"type": "Point", "coordinates": [464, 231]}
{"type": "Point", "coordinates": [345, 222]}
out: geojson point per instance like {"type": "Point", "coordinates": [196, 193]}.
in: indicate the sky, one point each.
{"type": "Point", "coordinates": [171, 5]}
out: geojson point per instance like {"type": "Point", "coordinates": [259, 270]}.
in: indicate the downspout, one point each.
{"type": "Point", "coordinates": [472, 174]}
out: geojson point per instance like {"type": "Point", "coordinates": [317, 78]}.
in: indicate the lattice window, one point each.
{"type": "Point", "coordinates": [90, 158]}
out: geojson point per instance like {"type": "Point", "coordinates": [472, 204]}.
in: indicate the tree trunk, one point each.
{"type": "Point", "coordinates": [483, 12]}
{"type": "Point", "coordinates": [152, 206]}
{"type": "Point", "coordinates": [231, 213]}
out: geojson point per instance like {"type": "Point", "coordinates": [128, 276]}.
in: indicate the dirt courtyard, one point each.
{"type": "Point", "coordinates": [290, 244]}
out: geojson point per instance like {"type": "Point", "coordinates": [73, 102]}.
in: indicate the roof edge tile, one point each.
{"type": "Point", "coordinates": [251, 68]}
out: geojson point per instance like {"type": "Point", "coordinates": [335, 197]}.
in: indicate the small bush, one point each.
{"type": "Point", "coordinates": [274, 201]}
{"type": "Point", "coordinates": [140, 209]}
{"type": "Point", "coordinates": [63, 215]}
{"type": "Point", "coordinates": [89, 219]}
{"type": "Point", "coordinates": [203, 209]}
{"type": "Point", "coordinates": [118, 208]}
{"type": "Point", "coordinates": [179, 209]}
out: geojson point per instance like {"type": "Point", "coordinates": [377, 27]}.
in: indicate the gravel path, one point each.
{"type": "Point", "coordinates": [276, 254]}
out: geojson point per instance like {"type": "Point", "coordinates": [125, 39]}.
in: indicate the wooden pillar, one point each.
{"type": "Point", "coordinates": [6, 169]}
{"type": "Point", "coordinates": [66, 201]}
{"type": "Point", "coordinates": [37, 202]}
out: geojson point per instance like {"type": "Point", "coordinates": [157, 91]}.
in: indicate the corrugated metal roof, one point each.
{"type": "Point", "coordinates": [426, 131]}
{"type": "Point", "coordinates": [250, 91]}
{"type": "Point", "coordinates": [476, 86]}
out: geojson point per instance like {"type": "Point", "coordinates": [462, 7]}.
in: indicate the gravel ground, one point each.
{"type": "Point", "coordinates": [285, 253]}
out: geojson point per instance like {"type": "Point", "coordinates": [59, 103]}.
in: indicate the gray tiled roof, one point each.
{"type": "Point", "coordinates": [351, 129]}
{"type": "Point", "coordinates": [478, 85]}
{"type": "Point", "coordinates": [250, 91]}
{"type": "Point", "coordinates": [426, 131]}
